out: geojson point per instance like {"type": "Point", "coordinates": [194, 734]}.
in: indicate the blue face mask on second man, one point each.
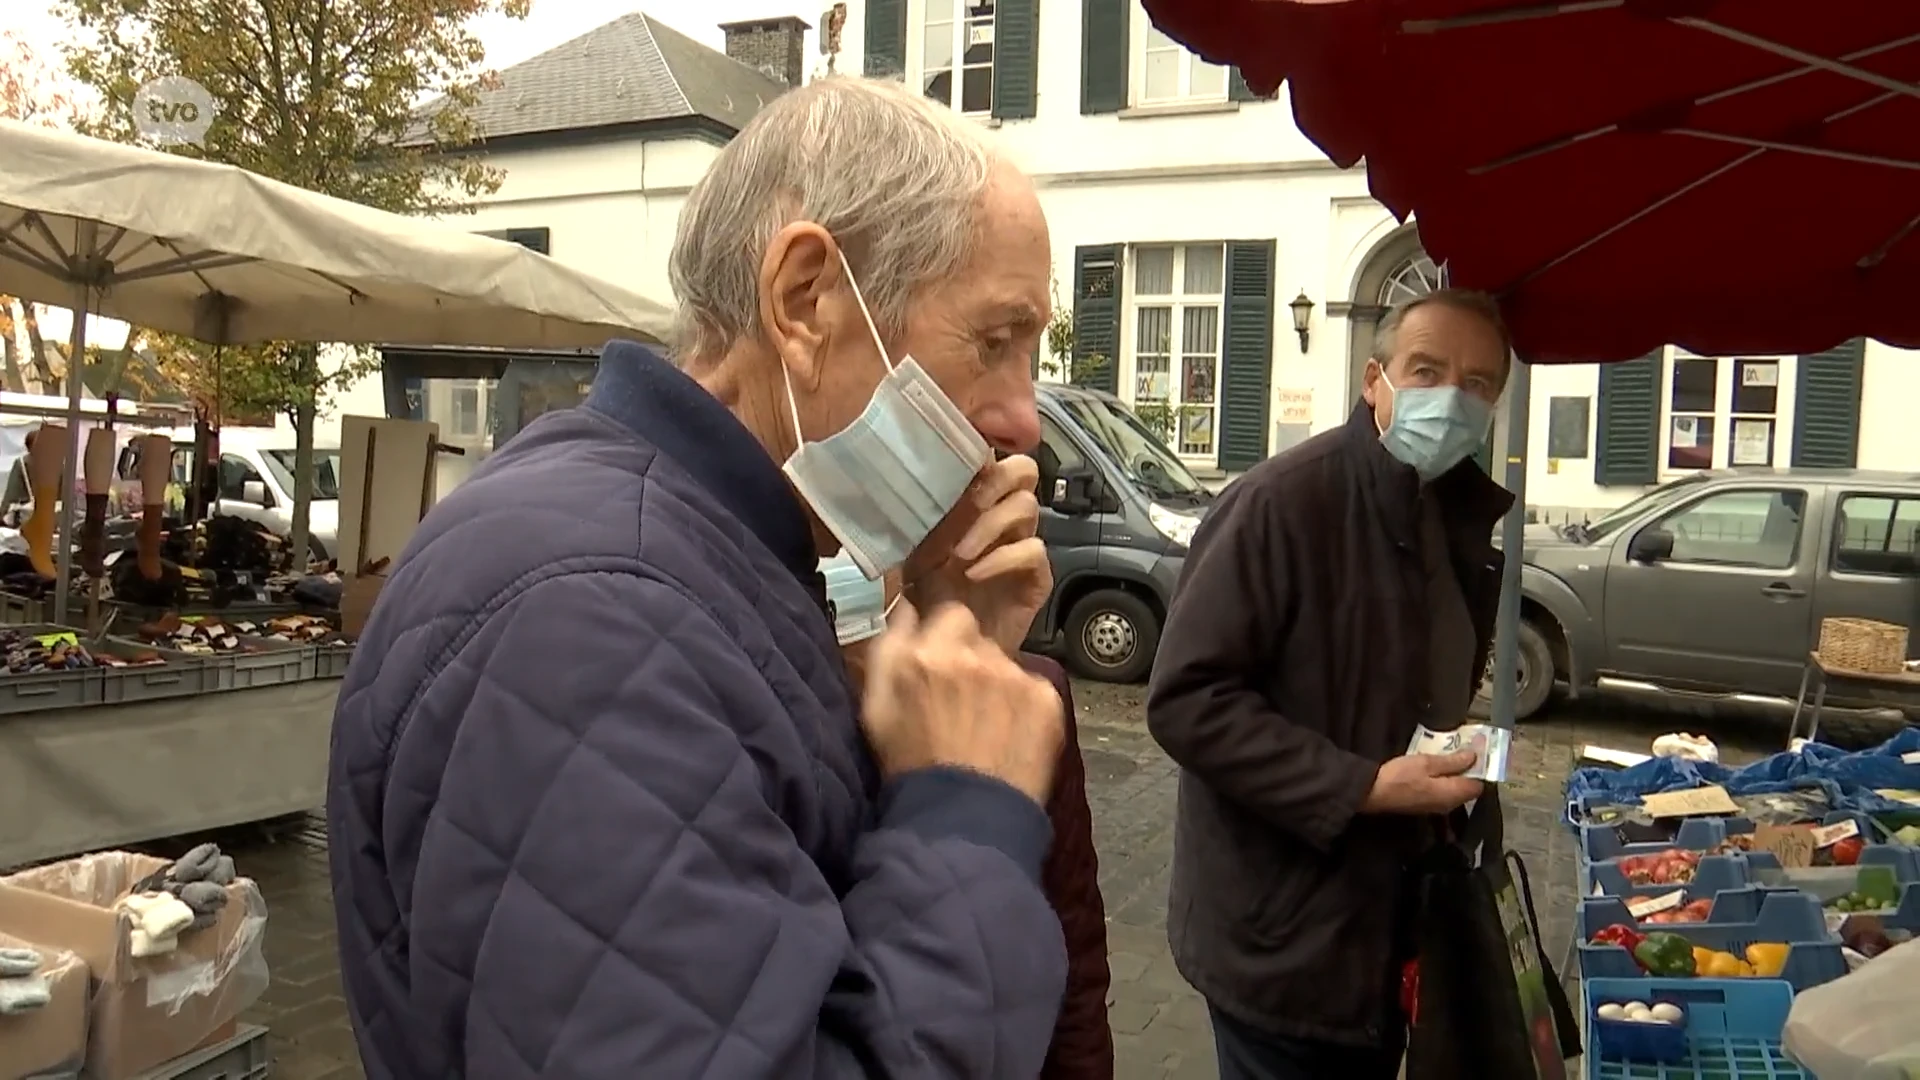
{"type": "Point", "coordinates": [1434, 428]}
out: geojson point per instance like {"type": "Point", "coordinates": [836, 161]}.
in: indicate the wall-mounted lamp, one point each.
{"type": "Point", "coordinates": [1302, 307]}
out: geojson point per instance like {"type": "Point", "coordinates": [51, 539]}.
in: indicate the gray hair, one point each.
{"type": "Point", "coordinates": [1386, 337]}
{"type": "Point", "coordinates": [896, 178]}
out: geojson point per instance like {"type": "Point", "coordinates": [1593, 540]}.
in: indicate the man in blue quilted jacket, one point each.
{"type": "Point", "coordinates": [601, 804]}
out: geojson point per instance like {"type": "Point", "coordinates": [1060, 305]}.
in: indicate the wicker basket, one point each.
{"type": "Point", "coordinates": [1864, 645]}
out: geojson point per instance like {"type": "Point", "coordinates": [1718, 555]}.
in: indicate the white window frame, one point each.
{"type": "Point", "coordinates": [917, 18]}
{"type": "Point", "coordinates": [1177, 302]}
{"type": "Point", "coordinates": [1724, 418]}
{"type": "Point", "coordinates": [1140, 33]}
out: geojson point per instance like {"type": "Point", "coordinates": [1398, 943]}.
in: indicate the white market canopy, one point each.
{"type": "Point", "coordinates": [231, 257]}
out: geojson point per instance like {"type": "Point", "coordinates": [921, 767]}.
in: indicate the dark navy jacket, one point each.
{"type": "Point", "coordinates": [599, 805]}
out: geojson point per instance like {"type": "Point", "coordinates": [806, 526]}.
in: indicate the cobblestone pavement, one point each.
{"type": "Point", "coordinates": [1158, 1022]}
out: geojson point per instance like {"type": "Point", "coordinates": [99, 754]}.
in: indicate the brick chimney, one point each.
{"type": "Point", "coordinates": [775, 46]}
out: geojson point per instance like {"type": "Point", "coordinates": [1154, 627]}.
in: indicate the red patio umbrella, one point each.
{"type": "Point", "coordinates": [1727, 175]}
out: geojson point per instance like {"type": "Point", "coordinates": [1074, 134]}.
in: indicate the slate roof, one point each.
{"type": "Point", "coordinates": [632, 70]}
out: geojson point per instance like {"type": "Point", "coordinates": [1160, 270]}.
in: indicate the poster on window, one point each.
{"type": "Point", "coordinates": [1752, 374]}
{"type": "Point", "coordinates": [1686, 432]}
{"type": "Point", "coordinates": [1752, 442]}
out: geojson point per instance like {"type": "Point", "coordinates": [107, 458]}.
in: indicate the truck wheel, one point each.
{"type": "Point", "coordinates": [1111, 636]}
{"type": "Point", "coordinates": [1536, 677]}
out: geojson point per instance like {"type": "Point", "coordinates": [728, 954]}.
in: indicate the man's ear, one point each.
{"type": "Point", "coordinates": [1370, 381]}
{"type": "Point", "coordinates": [800, 268]}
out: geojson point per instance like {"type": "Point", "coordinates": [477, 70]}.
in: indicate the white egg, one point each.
{"type": "Point", "coordinates": [1667, 1013]}
{"type": "Point", "coordinates": [1611, 1011]}
{"type": "Point", "coordinates": [1639, 1013]}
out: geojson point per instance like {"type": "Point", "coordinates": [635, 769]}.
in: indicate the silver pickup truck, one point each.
{"type": "Point", "coordinates": [1712, 588]}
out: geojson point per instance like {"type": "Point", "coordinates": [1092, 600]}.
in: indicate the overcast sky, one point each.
{"type": "Point", "coordinates": [508, 42]}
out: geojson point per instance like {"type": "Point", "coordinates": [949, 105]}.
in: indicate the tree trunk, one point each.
{"type": "Point", "coordinates": [13, 380]}
{"type": "Point", "coordinates": [304, 417]}
{"type": "Point", "coordinates": [37, 354]}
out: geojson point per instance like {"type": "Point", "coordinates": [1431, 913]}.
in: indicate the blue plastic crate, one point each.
{"type": "Point", "coordinates": [1732, 1029]}
{"type": "Point", "coordinates": [1905, 860]}
{"type": "Point", "coordinates": [1730, 907]}
{"type": "Point", "coordinates": [1600, 842]}
{"type": "Point", "coordinates": [1789, 918]}
{"type": "Point", "coordinates": [1716, 873]}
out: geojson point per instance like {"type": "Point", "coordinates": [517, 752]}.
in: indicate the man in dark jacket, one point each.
{"type": "Point", "coordinates": [1339, 594]}
{"type": "Point", "coordinates": [600, 806]}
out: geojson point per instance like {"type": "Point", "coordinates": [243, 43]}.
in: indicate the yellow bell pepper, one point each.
{"type": "Point", "coordinates": [1702, 959]}
{"type": "Point", "coordinates": [1721, 965]}
{"type": "Point", "coordinates": [1768, 959]}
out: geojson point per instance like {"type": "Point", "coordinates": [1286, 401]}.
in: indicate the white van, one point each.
{"type": "Point", "coordinates": [256, 481]}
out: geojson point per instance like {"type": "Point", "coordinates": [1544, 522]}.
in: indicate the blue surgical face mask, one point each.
{"type": "Point", "coordinates": [1434, 428]}
{"type": "Point", "coordinates": [858, 605]}
{"type": "Point", "coordinates": [883, 483]}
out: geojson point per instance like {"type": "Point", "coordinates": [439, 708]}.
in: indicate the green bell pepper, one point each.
{"type": "Point", "coordinates": [1665, 955]}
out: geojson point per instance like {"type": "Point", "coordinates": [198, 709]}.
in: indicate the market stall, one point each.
{"type": "Point", "coordinates": [208, 709]}
{"type": "Point", "coordinates": [1727, 892]}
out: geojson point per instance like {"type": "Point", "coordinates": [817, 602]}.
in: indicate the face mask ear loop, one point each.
{"type": "Point", "coordinates": [793, 408]}
{"type": "Point", "coordinates": [864, 313]}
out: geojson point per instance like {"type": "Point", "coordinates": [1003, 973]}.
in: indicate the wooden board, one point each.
{"type": "Point", "coordinates": [383, 495]}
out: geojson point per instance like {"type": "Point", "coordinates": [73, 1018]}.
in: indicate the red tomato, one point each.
{"type": "Point", "coordinates": [1847, 852]}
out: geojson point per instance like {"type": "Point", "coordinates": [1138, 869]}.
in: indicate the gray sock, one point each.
{"type": "Point", "coordinates": [24, 993]}
{"type": "Point", "coordinates": [195, 865]}
{"type": "Point", "coordinates": [222, 873]}
{"type": "Point", "coordinates": [15, 962]}
{"type": "Point", "coordinates": [204, 897]}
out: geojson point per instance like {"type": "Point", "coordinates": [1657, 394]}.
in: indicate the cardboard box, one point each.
{"type": "Point", "coordinates": [356, 602]}
{"type": "Point", "coordinates": [50, 1040]}
{"type": "Point", "coordinates": [149, 1010]}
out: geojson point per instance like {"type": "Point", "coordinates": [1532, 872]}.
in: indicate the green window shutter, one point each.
{"type": "Point", "coordinates": [1016, 58]}
{"type": "Point", "coordinates": [1238, 90]}
{"type": "Point", "coordinates": [1826, 409]}
{"type": "Point", "coordinates": [1627, 448]}
{"type": "Point", "coordinates": [1096, 317]}
{"type": "Point", "coordinates": [1103, 55]}
{"type": "Point", "coordinates": [1246, 360]}
{"type": "Point", "coordinates": [886, 44]}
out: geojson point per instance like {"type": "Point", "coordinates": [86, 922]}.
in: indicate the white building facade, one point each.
{"type": "Point", "coordinates": [1191, 223]}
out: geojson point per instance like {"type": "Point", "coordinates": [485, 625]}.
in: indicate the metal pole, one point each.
{"type": "Point", "coordinates": [76, 363]}
{"type": "Point", "coordinates": [1506, 634]}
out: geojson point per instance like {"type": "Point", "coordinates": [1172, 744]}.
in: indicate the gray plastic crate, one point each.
{"type": "Point", "coordinates": [49, 689]}
{"type": "Point", "coordinates": [277, 662]}
{"type": "Point", "coordinates": [183, 676]}
{"type": "Point", "coordinates": [331, 661]}
{"type": "Point", "coordinates": [243, 1057]}
{"type": "Point", "coordinates": [16, 610]}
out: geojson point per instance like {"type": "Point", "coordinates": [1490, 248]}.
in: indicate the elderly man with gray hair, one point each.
{"type": "Point", "coordinates": [601, 803]}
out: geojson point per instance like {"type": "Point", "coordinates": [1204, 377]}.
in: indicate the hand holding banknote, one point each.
{"type": "Point", "coordinates": [1423, 784]}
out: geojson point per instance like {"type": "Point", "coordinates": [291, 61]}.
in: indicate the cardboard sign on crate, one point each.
{"type": "Point", "coordinates": [1693, 802]}
{"type": "Point", "coordinates": [1793, 845]}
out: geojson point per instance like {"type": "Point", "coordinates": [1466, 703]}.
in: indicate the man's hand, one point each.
{"type": "Point", "coordinates": [986, 555]}
{"type": "Point", "coordinates": [1423, 784]}
{"type": "Point", "coordinates": [942, 694]}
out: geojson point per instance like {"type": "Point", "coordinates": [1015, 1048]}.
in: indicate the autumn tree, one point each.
{"type": "Point", "coordinates": [324, 94]}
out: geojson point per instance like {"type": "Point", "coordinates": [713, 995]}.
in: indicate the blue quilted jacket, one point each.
{"type": "Point", "coordinates": [599, 806]}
